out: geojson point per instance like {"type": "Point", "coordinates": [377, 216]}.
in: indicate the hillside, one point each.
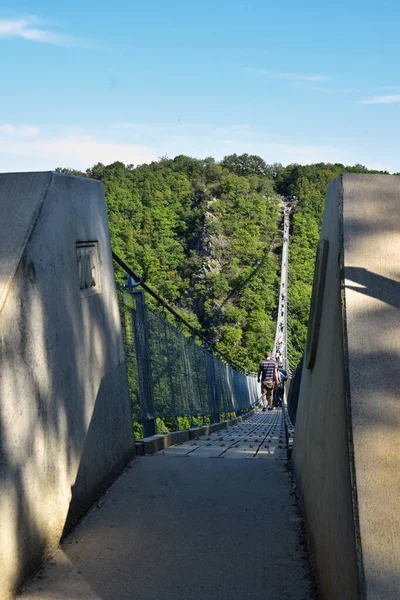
{"type": "Point", "coordinates": [205, 236]}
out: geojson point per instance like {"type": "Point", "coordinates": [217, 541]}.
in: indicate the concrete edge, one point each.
{"type": "Point", "coordinates": [30, 226]}
{"type": "Point", "coordinates": [73, 518]}
{"type": "Point", "coordinates": [155, 443]}
{"type": "Point", "coordinates": [289, 432]}
{"type": "Point", "coordinates": [347, 386]}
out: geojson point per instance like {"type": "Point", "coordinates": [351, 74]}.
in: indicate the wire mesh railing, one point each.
{"type": "Point", "coordinates": [170, 374]}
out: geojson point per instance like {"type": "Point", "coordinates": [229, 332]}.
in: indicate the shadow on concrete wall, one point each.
{"type": "Point", "coordinates": [59, 408]}
{"type": "Point", "coordinates": [374, 285]}
{"type": "Point", "coordinates": [294, 390]}
{"type": "Point", "coordinates": [83, 498]}
{"type": "Point", "coordinates": [375, 426]}
{"type": "Point", "coordinates": [377, 350]}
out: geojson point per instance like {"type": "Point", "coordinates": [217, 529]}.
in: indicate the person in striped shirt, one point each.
{"type": "Point", "coordinates": [268, 373]}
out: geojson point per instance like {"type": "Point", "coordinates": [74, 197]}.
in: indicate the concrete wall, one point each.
{"type": "Point", "coordinates": [346, 458]}
{"type": "Point", "coordinates": [65, 420]}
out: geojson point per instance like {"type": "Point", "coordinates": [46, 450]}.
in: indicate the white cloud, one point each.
{"type": "Point", "coordinates": [296, 77]}
{"type": "Point", "coordinates": [331, 90]}
{"type": "Point", "coordinates": [138, 143]}
{"type": "Point", "coordinates": [257, 71]}
{"type": "Point", "coordinates": [387, 87]}
{"type": "Point", "coordinates": [76, 150]}
{"type": "Point", "coordinates": [157, 128]}
{"type": "Point", "coordinates": [291, 76]}
{"type": "Point", "coordinates": [27, 28]}
{"type": "Point", "coordinates": [390, 99]}
{"type": "Point", "coordinates": [200, 140]}
{"type": "Point", "coordinates": [18, 130]}
{"type": "Point", "coordinates": [380, 166]}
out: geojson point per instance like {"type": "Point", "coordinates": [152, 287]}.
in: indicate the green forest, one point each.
{"type": "Point", "coordinates": [206, 236]}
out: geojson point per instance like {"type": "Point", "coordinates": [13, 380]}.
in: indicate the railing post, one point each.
{"type": "Point", "coordinates": [237, 392]}
{"type": "Point", "coordinates": [143, 357]}
{"type": "Point", "coordinates": [212, 388]}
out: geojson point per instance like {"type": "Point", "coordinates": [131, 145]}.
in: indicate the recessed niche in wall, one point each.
{"type": "Point", "coordinates": [317, 299]}
{"type": "Point", "coordinates": [88, 259]}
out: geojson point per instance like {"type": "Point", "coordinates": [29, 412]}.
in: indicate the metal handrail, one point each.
{"type": "Point", "coordinates": [210, 347]}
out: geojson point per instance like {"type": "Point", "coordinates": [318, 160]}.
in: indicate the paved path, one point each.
{"type": "Point", "coordinates": [179, 526]}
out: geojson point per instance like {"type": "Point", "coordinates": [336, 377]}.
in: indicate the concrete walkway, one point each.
{"type": "Point", "coordinates": [179, 526]}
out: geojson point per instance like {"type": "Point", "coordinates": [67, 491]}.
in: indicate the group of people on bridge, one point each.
{"type": "Point", "coordinates": [272, 379]}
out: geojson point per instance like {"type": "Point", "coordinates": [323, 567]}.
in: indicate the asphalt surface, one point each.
{"type": "Point", "coordinates": [215, 518]}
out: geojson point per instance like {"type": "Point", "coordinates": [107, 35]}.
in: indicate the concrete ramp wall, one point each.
{"type": "Point", "coordinates": [65, 419]}
{"type": "Point", "coordinates": [346, 453]}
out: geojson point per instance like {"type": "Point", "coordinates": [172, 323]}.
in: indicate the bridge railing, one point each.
{"type": "Point", "coordinates": [171, 374]}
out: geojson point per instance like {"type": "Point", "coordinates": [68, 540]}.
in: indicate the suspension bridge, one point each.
{"type": "Point", "coordinates": [207, 510]}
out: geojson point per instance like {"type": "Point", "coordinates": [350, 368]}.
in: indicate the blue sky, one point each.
{"type": "Point", "coordinates": [86, 82]}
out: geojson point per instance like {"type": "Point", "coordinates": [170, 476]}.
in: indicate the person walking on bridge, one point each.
{"type": "Point", "coordinates": [280, 389]}
{"type": "Point", "coordinates": [268, 372]}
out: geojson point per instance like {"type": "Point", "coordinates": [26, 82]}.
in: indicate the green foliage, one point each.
{"type": "Point", "coordinates": [201, 234]}
{"type": "Point", "coordinates": [137, 430]}
{"type": "Point", "coordinates": [204, 235]}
